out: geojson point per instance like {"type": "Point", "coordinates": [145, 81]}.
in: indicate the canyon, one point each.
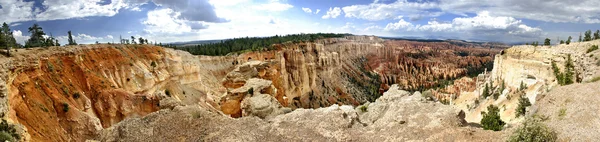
{"type": "Point", "coordinates": [357, 88]}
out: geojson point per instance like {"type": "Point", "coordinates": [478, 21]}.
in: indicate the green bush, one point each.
{"type": "Point", "coordinates": [591, 49]}
{"type": "Point", "coordinates": [65, 107]}
{"type": "Point", "coordinates": [363, 108]}
{"type": "Point", "coordinates": [486, 91]}
{"type": "Point", "coordinates": [251, 91]}
{"type": "Point", "coordinates": [8, 132]}
{"type": "Point", "coordinates": [76, 95]}
{"type": "Point", "coordinates": [4, 136]}
{"type": "Point", "coordinates": [491, 120]}
{"type": "Point", "coordinates": [523, 104]}
{"type": "Point", "coordinates": [532, 130]}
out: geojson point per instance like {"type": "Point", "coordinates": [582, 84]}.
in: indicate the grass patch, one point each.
{"type": "Point", "coordinates": [591, 49]}
{"type": "Point", "coordinates": [597, 78]}
{"type": "Point", "coordinates": [562, 112]}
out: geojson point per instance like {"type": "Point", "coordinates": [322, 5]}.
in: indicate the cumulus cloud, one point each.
{"type": "Point", "coordinates": [17, 11]}
{"type": "Point", "coordinates": [166, 21]}
{"type": "Point", "coordinates": [307, 10]}
{"type": "Point", "coordinates": [379, 11]}
{"type": "Point", "coordinates": [19, 37]}
{"type": "Point", "coordinates": [67, 9]}
{"type": "Point", "coordinates": [583, 11]}
{"type": "Point", "coordinates": [398, 25]}
{"type": "Point", "coordinates": [274, 6]}
{"type": "Point", "coordinates": [333, 12]}
{"type": "Point", "coordinates": [482, 26]}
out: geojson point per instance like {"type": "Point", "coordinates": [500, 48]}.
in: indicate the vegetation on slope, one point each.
{"type": "Point", "coordinates": [491, 120]}
{"type": "Point", "coordinates": [532, 130]}
{"type": "Point", "coordinates": [252, 43]}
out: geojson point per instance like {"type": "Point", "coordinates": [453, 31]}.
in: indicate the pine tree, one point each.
{"type": "Point", "coordinates": [523, 104]}
{"type": "Point", "coordinates": [579, 37]}
{"type": "Point", "coordinates": [71, 40]}
{"type": "Point", "coordinates": [486, 91]}
{"type": "Point", "coordinates": [569, 40]}
{"type": "Point", "coordinates": [132, 40]}
{"type": "Point", "coordinates": [569, 71]}
{"type": "Point", "coordinates": [6, 38]}
{"type": "Point", "coordinates": [597, 35]}
{"type": "Point", "coordinates": [141, 40]}
{"type": "Point", "coordinates": [562, 42]}
{"type": "Point", "coordinates": [547, 42]}
{"type": "Point", "coordinates": [37, 36]}
{"type": "Point", "coordinates": [491, 120]}
{"type": "Point", "coordinates": [588, 35]}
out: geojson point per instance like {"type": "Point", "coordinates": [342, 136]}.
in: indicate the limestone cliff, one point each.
{"type": "Point", "coordinates": [352, 70]}
{"type": "Point", "coordinates": [70, 93]}
{"type": "Point", "coordinates": [396, 116]}
{"type": "Point", "coordinates": [531, 66]}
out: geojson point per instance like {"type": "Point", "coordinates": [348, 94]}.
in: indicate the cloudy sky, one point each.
{"type": "Point", "coordinates": [164, 21]}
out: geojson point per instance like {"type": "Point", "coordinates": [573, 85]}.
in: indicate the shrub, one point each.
{"type": "Point", "coordinates": [76, 95]}
{"type": "Point", "coordinates": [562, 112]}
{"type": "Point", "coordinates": [532, 130]}
{"type": "Point", "coordinates": [363, 108]}
{"type": "Point", "coordinates": [6, 137]}
{"type": "Point", "coordinates": [591, 49]}
{"type": "Point", "coordinates": [523, 104]}
{"type": "Point", "coordinates": [522, 86]}
{"type": "Point", "coordinates": [486, 91]}
{"type": "Point", "coordinates": [8, 132]}
{"type": "Point", "coordinates": [251, 91]}
{"type": "Point", "coordinates": [168, 93]}
{"type": "Point", "coordinates": [491, 120]}
{"type": "Point", "coordinates": [65, 107]}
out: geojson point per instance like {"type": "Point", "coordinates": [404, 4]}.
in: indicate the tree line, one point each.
{"type": "Point", "coordinates": [586, 37]}
{"type": "Point", "coordinates": [250, 43]}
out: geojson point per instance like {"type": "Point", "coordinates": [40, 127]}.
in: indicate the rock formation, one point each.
{"type": "Point", "coordinates": [69, 94]}
{"type": "Point", "coordinates": [396, 116]}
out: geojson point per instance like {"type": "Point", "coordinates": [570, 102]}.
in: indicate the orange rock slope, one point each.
{"type": "Point", "coordinates": [70, 93]}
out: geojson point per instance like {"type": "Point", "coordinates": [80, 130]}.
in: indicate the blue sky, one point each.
{"type": "Point", "coordinates": [164, 21]}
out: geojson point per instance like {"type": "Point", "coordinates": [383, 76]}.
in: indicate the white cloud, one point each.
{"type": "Point", "coordinates": [583, 11]}
{"type": "Point", "coordinates": [307, 10]}
{"type": "Point", "coordinates": [333, 12]}
{"type": "Point", "coordinates": [109, 36]}
{"type": "Point", "coordinates": [481, 27]}
{"type": "Point", "coordinates": [401, 24]}
{"type": "Point", "coordinates": [19, 37]}
{"type": "Point", "coordinates": [378, 11]}
{"type": "Point", "coordinates": [165, 21]}
{"type": "Point", "coordinates": [274, 6]}
{"type": "Point", "coordinates": [67, 9]}
{"type": "Point", "coordinates": [435, 26]}
{"type": "Point", "coordinates": [81, 38]}
{"type": "Point", "coordinates": [317, 11]}
{"type": "Point", "coordinates": [15, 11]}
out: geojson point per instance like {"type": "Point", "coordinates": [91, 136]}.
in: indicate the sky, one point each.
{"type": "Point", "coordinates": [508, 21]}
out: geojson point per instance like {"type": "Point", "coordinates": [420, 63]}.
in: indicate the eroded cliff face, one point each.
{"type": "Point", "coordinates": [70, 93]}
{"type": "Point", "coordinates": [354, 70]}
{"type": "Point", "coordinates": [530, 66]}
{"type": "Point", "coordinates": [307, 75]}
{"type": "Point", "coordinates": [396, 116]}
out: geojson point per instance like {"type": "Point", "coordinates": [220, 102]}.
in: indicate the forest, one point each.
{"type": "Point", "coordinates": [238, 45]}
